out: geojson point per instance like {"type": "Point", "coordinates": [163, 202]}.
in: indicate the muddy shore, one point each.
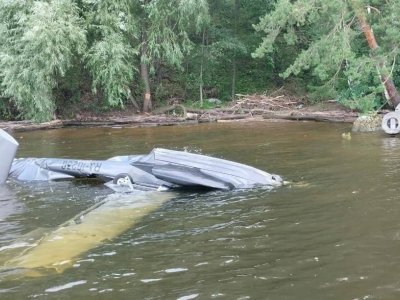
{"type": "Point", "coordinates": [247, 108]}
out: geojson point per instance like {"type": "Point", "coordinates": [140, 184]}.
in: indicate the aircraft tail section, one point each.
{"type": "Point", "coordinates": [8, 149]}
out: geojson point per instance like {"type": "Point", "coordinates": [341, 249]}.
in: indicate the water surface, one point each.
{"type": "Point", "coordinates": [332, 234]}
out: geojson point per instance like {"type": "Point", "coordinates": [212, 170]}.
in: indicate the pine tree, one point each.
{"type": "Point", "coordinates": [331, 46]}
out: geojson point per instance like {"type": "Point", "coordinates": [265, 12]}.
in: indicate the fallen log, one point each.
{"type": "Point", "coordinates": [29, 126]}
{"type": "Point", "coordinates": [232, 117]}
{"type": "Point", "coordinates": [332, 116]}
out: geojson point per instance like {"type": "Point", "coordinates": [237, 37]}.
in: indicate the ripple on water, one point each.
{"type": "Point", "coordinates": [188, 297]}
{"type": "Point", "coordinates": [175, 270]}
{"type": "Point", "coordinates": [65, 286]}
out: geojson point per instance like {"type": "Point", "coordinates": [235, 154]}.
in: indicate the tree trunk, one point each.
{"type": "Point", "coordinates": [144, 72]}
{"type": "Point", "coordinates": [234, 71]}
{"type": "Point", "coordinates": [391, 92]}
{"type": "Point", "coordinates": [234, 62]}
{"type": "Point", "coordinates": [202, 69]}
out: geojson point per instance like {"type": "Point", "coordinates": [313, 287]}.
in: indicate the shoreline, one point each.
{"type": "Point", "coordinates": [207, 116]}
{"type": "Point", "coordinates": [247, 108]}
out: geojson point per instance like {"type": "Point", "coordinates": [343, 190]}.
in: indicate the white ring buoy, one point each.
{"type": "Point", "coordinates": [391, 123]}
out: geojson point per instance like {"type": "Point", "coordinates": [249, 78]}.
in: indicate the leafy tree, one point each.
{"type": "Point", "coordinates": [38, 40]}
{"type": "Point", "coordinates": [112, 35]}
{"type": "Point", "coordinates": [41, 40]}
{"type": "Point", "coordinates": [220, 64]}
{"type": "Point", "coordinates": [130, 36]}
{"type": "Point", "coordinates": [332, 48]}
{"type": "Point", "coordinates": [164, 34]}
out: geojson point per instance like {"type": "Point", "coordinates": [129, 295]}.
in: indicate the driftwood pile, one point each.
{"type": "Point", "coordinates": [266, 103]}
{"type": "Point", "coordinates": [246, 106]}
{"type": "Point", "coordinates": [278, 107]}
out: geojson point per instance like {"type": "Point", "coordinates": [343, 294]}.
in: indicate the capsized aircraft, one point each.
{"type": "Point", "coordinates": [161, 169]}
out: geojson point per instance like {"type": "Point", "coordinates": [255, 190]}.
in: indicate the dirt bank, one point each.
{"type": "Point", "coordinates": [247, 107]}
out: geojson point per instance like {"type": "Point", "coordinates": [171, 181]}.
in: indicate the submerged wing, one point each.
{"type": "Point", "coordinates": [60, 248]}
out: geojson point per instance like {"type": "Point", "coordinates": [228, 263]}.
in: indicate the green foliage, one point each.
{"type": "Point", "coordinates": [356, 98]}
{"type": "Point", "coordinates": [331, 46]}
{"type": "Point", "coordinates": [41, 41]}
{"type": "Point", "coordinates": [165, 26]}
{"type": "Point", "coordinates": [72, 55]}
{"type": "Point", "coordinates": [112, 54]}
{"type": "Point", "coordinates": [38, 42]}
{"type": "Point", "coordinates": [110, 62]}
{"type": "Point", "coordinates": [225, 56]}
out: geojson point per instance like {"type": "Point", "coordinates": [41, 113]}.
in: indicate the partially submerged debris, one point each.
{"type": "Point", "coordinates": [368, 123]}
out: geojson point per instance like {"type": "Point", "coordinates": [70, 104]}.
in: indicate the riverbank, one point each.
{"type": "Point", "coordinates": [246, 108]}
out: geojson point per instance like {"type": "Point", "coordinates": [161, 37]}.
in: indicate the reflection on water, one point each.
{"type": "Point", "coordinates": [333, 233]}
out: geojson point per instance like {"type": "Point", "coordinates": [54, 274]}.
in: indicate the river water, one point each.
{"type": "Point", "coordinates": [332, 233]}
